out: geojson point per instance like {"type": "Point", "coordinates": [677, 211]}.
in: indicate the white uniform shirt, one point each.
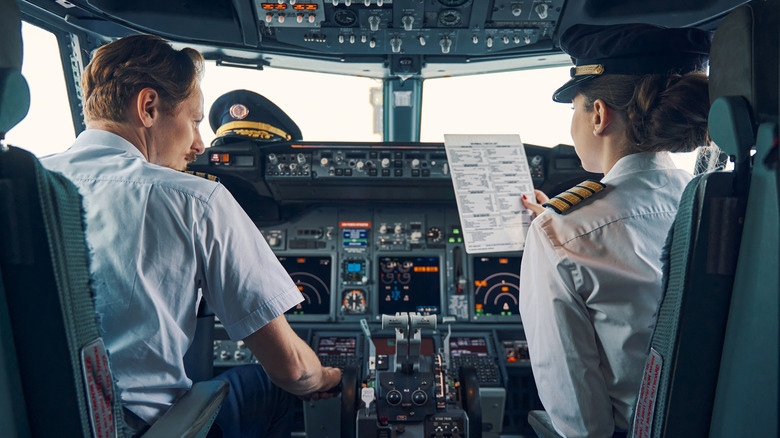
{"type": "Point", "coordinates": [590, 288]}
{"type": "Point", "coordinates": [155, 236]}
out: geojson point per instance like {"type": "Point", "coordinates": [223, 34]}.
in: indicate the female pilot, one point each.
{"type": "Point", "coordinates": [591, 273]}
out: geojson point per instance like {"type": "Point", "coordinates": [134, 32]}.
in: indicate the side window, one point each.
{"type": "Point", "coordinates": [48, 127]}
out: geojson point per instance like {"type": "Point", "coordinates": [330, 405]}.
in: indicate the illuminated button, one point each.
{"type": "Point", "coordinates": [214, 158]}
{"type": "Point", "coordinates": [225, 158]}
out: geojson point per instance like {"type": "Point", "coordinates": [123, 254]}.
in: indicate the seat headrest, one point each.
{"type": "Point", "coordinates": [14, 93]}
{"type": "Point", "coordinates": [743, 59]}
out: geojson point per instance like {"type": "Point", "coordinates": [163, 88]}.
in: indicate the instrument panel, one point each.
{"type": "Point", "coordinates": [372, 229]}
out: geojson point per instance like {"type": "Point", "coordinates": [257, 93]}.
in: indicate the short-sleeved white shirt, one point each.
{"type": "Point", "coordinates": [590, 288]}
{"type": "Point", "coordinates": [156, 236]}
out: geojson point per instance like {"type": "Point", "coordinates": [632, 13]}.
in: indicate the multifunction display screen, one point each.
{"type": "Point", "coordinates": [312, 276]}
{"type": "Point", "coordinates": [496, 286]}
{"type": "Point", "coordinates": [468, 345]}
{"type": "Point", "coordinates": [409, 284]}
{"type": "Point", "coordinates": [337, 346]}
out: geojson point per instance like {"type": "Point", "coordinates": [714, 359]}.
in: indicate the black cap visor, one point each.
{"type": "Point", "coordinates": [566, 93]}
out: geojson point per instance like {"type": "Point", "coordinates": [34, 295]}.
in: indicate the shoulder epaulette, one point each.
{"type": "Point", "coordinates": [203, 175]}
{"type": "Point", "coordinates": [574, 196]}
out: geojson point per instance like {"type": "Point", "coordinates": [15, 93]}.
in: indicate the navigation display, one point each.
{"type": "Point", "coordinates": [496, 286]}
{"type": "Point", "coordinates": [312, 276]}
{"type": "Point", "coordinates": [409, 284]}
{"type": "Point", "coordinates": [337, 346]}
{"type": "Point", "coordinates": [468, 345]}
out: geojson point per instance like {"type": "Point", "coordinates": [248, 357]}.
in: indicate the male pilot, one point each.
{"type": "Point", "coordinates": [158, 235]}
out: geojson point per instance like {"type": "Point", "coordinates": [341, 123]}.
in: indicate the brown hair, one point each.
{"type": "Point", "coordinates": [662, 113]}
{"type": "Point", "coordinates": [126, 66]}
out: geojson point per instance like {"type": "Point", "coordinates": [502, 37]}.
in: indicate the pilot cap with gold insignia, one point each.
{"type": "Point", "coordinates": [244, 114]}
{"type": "Point", "coordinates": [630, 49]}
{"type": "Point", "coordinates": [568, 199]}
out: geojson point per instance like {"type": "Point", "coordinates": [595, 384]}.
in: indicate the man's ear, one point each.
{"type": "Point", "coordinates": [147, 105]}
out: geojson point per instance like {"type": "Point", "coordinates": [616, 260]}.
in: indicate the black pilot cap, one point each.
{"type": "Point", "coordinates": [247, 115]}
{"type": "Point", "coordinates": [630, 49]}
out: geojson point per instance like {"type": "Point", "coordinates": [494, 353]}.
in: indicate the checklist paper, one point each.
{"type": "Point", "coordinates": [490, 174]}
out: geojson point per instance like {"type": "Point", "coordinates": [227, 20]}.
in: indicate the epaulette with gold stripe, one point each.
{"type": "Point", "coordinates": [203, 175]}
{"type": "Point", "coordinates": [574, 196]}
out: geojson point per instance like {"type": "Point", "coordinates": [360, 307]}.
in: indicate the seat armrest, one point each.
{"type": "Point", "coordinates": [542, 424]}
{"type": "Point", "coordinates": [193, 414]}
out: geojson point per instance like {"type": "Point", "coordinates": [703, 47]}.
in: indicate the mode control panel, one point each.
{"type": "Point", "coordinates": [358, 163]}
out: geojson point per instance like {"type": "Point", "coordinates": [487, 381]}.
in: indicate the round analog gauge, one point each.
{"type": "Point", "coordinates": [345, 18]}
{"type": "Point", "coordinates": [354, 301]}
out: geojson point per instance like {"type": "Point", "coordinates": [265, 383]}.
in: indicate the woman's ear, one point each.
{"type": "Point", "coordinates": [603, 116]}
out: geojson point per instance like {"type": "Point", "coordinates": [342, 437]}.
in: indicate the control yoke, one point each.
{"type": "Point", "coordinates": [408, 327]}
